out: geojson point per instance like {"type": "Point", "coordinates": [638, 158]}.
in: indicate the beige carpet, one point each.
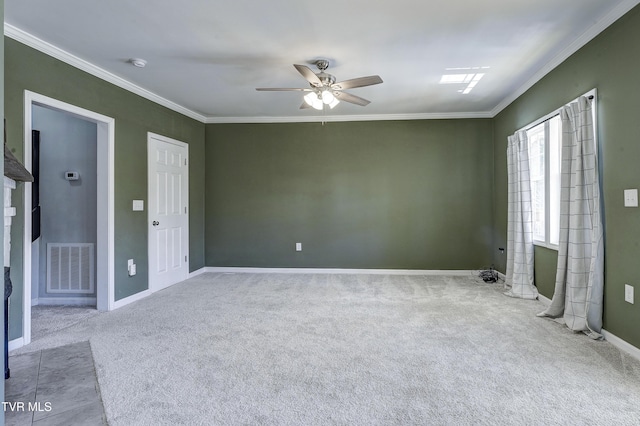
{"type": "Point", "coordinates": [46, 320]}
{"type": "Point", "coordinates": [276, 349]}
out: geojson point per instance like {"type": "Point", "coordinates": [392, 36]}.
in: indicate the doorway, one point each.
{"type": "Point", "coordinates": [104, 203]}
{"type": "Point", "coordinates": [63, 209]}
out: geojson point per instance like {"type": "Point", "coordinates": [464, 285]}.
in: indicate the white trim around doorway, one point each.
{"type": "Point", "coordinates": [105, 291]}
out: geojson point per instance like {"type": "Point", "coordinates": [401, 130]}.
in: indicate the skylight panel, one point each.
{"type": "Point", "coordinates": [456, 78]}
{"type": "Point", "coordinates": [466, 68]}
{"type": "Point", "coordinates": [470, 79]}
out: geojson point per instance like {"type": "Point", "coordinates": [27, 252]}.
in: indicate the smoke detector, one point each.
{"type": "Point", "coordinates": [137, 62]}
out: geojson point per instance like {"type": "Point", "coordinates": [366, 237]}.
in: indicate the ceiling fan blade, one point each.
{"type": "Point", "coordinates": [348, 97]}
{"type": "Point", "coordinates": [357, 82]}
{"type": "Point", "coordinates": [305, 105]}
{"type": "Point", "coordinates": [309, 75]}
{"type": "Point", "coordinates": [282, 89]}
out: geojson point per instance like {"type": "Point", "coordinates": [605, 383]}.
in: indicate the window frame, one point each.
{"type": "Point", "coordinates": [593, 95]}
{"type": "Point", "coordinates": [547, 178]}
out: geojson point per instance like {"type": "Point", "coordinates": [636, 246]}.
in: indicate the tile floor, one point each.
{"type": "Point", "coordinates": [56, 387]}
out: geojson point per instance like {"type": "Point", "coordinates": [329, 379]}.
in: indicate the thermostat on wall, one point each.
{"type": "Point", "coordinates": [71, 175]}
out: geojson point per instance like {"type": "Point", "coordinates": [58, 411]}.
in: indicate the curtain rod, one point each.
{"type": "Point", "coordinates": [589, 95]}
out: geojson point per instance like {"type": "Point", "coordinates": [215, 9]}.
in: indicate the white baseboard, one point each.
{"type": "Point", "coordinates": [545, 300]}
{"type": "Point", "coordinates": [139, 296]}
{"type": "Point", "coordinates": [57, 301]}
{"type": "Point", "coordinates": [133, 298]}
{"type": "Point", "coordinates": [197, 272]}
{"type": "Point", "coordinates": [238, 270]}
{"type": "Point", "coordinates": [609, 337]}
{"type": "Point", "coordinates": [16, 343]}
{"type": "Point", "coordinates": [621, 344]}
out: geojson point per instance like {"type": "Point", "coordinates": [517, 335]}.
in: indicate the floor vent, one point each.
{"type": "Point", "coordinates": [70, 268]}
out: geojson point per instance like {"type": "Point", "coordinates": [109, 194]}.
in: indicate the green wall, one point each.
{"type": "Point", "coordinates": [28, 69]}
{"type": "Point", "coordinates": [610, 63]}
{"type": "Point", "coordinates": [383, 194]}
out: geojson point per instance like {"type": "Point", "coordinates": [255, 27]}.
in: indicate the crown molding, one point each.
{"type": "Point", "coordinates": [343, 118]}
{"type": "Point", "coordinates": [591, 32]}
{"type": "Point", "coordinates": [64, 56]}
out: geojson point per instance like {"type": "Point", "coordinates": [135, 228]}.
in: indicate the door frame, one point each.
{"type": "Point", "coordinates": [105, 292]}
{"type": "Point", "coordinates": [152, 285]}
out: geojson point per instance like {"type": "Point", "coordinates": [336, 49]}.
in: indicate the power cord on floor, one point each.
{"type": "Point", "coordinates": [489, 275]}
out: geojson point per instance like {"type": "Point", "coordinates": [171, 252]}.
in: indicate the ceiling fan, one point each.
{"type": "Point", "coordinates": [323, 89]}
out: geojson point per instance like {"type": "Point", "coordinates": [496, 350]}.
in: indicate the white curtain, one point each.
{"type": "Point", "coordinates": [578, 294]}
{"type": "Point", "coordinates": [519, 279]}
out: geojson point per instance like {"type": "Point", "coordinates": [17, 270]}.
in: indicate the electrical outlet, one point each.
{"type": "Point", "coordinates": [298, 246]}
{"type": "Point", "coordinates": [628, 293]}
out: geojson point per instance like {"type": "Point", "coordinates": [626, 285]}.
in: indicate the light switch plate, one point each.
{"type": "Point", "coordinates": [138, 205]}
{"type": "Point", "coordinates": [628, 293]}
{"type": "Point", "coordinates": [631, 198]}
{"type": "Point", "coordinates": [298, 246]}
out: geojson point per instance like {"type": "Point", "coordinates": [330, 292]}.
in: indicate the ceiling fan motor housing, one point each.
{"type": "Point", "coordinates": [326, 78]}
{"type": "Point", "coordinates": [322, 64]}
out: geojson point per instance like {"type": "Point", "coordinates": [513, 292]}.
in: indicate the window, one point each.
{"type": "Point", "coordinates": [545, 160]}
{"type": "Point", "coordinates": [544, 163]}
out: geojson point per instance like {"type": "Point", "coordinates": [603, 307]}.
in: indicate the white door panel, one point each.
{"type": "Point", "coordinates": [168, 216]}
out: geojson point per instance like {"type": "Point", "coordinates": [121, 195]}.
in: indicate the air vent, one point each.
{"type": "Point", "coordinates": [70, 268]}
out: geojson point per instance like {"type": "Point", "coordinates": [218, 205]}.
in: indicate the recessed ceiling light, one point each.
{"type": "Point", "coordinates": [137, 62]}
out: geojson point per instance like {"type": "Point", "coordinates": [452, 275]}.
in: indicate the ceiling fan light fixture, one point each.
{"type": "Point", "coordinates": [327, 97]}
{"type": "Point", "coordinates": [308, 98]}
{"type": "Point", "coordinates": [313, 100]}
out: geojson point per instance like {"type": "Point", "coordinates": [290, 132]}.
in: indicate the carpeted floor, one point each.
{"type": "Point", "coordinates": [50, 319]}
{"type": "Point", "coordinates": [297, 349]}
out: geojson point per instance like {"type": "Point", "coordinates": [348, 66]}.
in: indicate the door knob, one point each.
{"type": "Point", "coordinates": [155, 223]}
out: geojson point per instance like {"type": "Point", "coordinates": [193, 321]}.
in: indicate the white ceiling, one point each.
{"type": "Point", "coordinates": [206, 57]}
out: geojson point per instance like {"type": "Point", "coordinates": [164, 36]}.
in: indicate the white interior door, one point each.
{"type": "Point", "coordinates": [168, 216]}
